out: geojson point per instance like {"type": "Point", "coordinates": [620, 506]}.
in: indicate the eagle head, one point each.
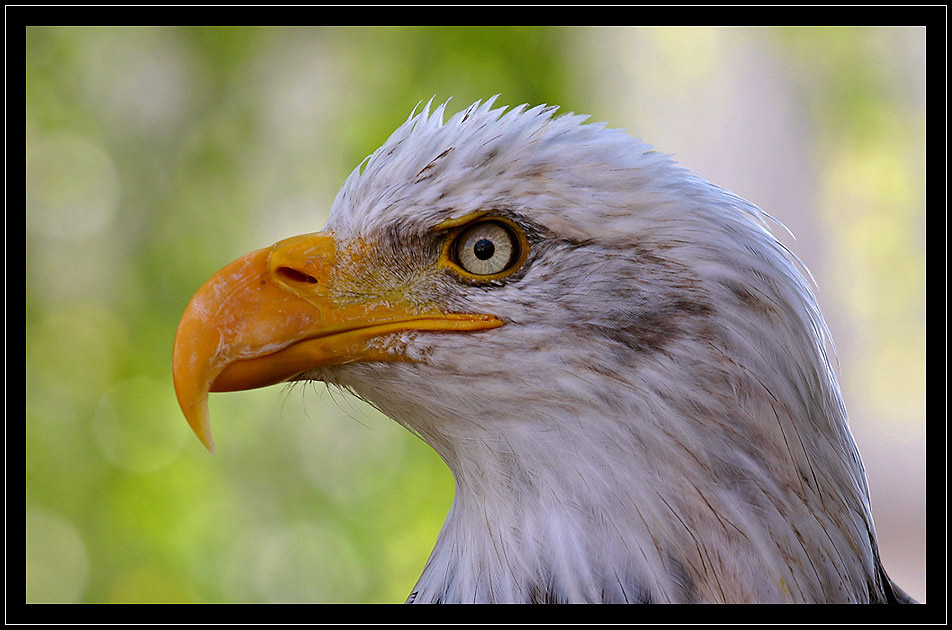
{"type": "Point", "coordinates": [624, 370]}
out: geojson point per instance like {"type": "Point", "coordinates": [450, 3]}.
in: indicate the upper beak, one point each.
{"type": "Point", "coordinates": [277, 312]}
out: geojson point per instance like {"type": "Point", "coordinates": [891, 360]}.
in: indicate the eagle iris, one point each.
{"type": "Point", "coordinates": [486, 248]}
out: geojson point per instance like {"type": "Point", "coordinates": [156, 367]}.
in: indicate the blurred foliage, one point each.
{"type": "Point", "coordinates": [157, 155]}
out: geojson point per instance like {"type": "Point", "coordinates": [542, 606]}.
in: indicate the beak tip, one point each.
{"type": "Point", "coordinates": [197, 417]}
{"type": "Point", "coordinates": [208, 442]}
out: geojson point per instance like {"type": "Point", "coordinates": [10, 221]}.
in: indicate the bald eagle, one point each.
{"type": "Point", "coordinates": [625, 371]}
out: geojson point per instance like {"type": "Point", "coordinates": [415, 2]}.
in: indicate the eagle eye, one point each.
{"type": "Point", "coordinates": [481, 247]}
{"type": "Point", "coordinates": [486, 250]}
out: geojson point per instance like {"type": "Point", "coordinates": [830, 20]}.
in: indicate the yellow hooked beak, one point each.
{"type": "Point", "coordinates": [278, 312]}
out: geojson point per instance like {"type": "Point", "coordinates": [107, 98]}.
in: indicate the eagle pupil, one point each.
{"type": "Point", "coordinates": [484, 249]}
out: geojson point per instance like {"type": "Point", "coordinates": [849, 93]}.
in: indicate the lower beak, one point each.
{"type": "Point", "coordinates": [278, 312]}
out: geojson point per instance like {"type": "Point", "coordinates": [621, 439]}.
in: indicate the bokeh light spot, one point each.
{"type": "Point", "coordinates": [72, 187]}
{"type": "Point", "coordinates": [137, 425]}
{"type": "Point", "coordinates": [56, 559]}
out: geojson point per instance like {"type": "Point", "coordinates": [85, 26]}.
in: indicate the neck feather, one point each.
{"type": "Point", "coordinates": [655, 498]}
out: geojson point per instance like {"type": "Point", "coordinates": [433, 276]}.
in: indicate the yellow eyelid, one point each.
{"type": "Point", "coordinates": [456, 226]}
{"type": "Point", "coordinates": [462, 221]}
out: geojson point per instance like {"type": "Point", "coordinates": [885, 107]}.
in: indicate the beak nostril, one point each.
{"type": "Point", "coordinates": [295, 276]}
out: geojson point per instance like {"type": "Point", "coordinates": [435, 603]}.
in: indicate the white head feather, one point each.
{"type": "Point", "coordinates": [657, 420]}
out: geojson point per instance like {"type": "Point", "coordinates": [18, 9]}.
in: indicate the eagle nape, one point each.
{"type": "Point", "coordinates": [624, 370]}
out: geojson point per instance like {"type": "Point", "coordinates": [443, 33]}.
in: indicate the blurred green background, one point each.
{"type": "Point", "coordinates": [157, 155]}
